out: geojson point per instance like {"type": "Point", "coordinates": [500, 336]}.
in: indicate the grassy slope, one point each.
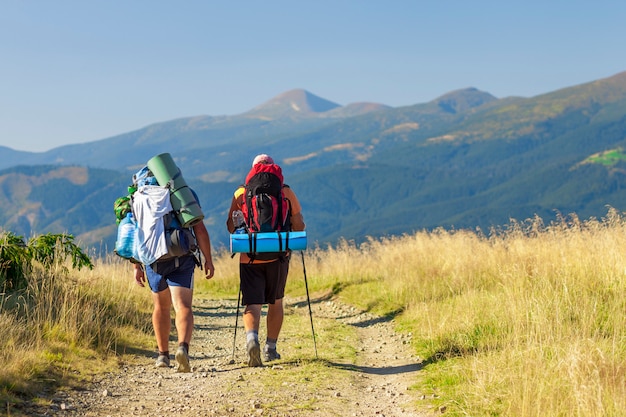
{"type": "Point", "coordinates": [528, 321]}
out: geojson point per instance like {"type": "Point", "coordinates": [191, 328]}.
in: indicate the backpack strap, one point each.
{"type": "Point", "coordinates": [239, 191]}
{"type": "Point", "coordinates": [289, 213]}
{"type": "Point", "coordinates": [170, 183]}
{"type": "Point", "coordinates": [279, 217]}
{"type": "Point", "coordinates": [185, 208]}
{"type": "Point", "coordinates": [280, 242]}
{"type": "Point", "coordinates": [251, 246]}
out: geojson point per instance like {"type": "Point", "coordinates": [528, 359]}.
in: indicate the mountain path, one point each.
{"type": "Point", "coordinates": [376, 385]}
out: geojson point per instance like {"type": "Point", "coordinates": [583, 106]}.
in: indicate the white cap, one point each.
{"type": "Point", "coordinates": [262, 159]}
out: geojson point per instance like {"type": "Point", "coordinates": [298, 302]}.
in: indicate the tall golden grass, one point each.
{"type": "Point", "coordinates": [527, 320]}
{"type": "Point", "coordinates": [51, 332]}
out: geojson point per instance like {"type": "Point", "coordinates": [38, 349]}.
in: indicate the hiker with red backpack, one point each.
{"type": "Point", "coordinates": [267, 205]}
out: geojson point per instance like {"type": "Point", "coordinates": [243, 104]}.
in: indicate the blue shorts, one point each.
{"type": "Point", "coordinates": [161, 275]}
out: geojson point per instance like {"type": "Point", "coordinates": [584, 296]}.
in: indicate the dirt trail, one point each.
{"type": "Point", "coordinates": [376, 385]}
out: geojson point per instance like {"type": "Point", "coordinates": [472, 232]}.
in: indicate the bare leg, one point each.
{"type": "Point", "coordinates": [161, 320]}
{"type": "Point", "coordinates": [252, 317]}
{"type": "Point", "coordinates": [182, 299]}
{"type": "Point", "coordinates": [251, 320]}
{"type": "Point", "coordinates": [275, 315]}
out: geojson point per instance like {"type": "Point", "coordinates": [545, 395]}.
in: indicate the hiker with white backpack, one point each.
{"type": "Point", "coordinates": [162, 233]}
{"type": "Point", "coordinates": [171, 282]}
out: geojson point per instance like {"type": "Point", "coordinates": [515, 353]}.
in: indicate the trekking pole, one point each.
{"type": "Point", "coordinates": [308, 300]}
{"type": "Point", "coordinates": [236, 322]}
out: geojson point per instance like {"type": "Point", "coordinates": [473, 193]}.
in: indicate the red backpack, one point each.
{"type": "Point", "coordinates": [265, 208]}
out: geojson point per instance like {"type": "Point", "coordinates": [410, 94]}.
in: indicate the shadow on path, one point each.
{"type": "Point", "coordinates": [383, 370]}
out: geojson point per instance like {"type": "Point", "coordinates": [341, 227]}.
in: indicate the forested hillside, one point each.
{"type": "Point", "coordinates": [463, 160]}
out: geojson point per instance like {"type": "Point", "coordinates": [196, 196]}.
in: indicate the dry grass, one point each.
{"type": "Point", "coordinates": [52, 331]}
{"type": "Point", "coordinates": [525, 321]}
{"type": "Point", "coordinates": [528, 321]}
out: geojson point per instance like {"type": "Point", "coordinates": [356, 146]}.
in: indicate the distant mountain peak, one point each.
{"type": "Point", "coordinates": [458, 101]}
{"type": "Point", "coordinates": [293, 102]}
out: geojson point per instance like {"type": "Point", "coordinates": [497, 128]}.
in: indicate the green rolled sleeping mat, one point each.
{"type": "Point", "coordinates": [182, 198]}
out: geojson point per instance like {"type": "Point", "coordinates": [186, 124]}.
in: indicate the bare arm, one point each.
{"type": "Point", "coordinates": [140, 276]}
{"type": "Point", "coordinates": [204, 242]}
{"type": "Point", "coordinates": [297, 222]}
{"type": "Point", "coordinates": [234, 205]}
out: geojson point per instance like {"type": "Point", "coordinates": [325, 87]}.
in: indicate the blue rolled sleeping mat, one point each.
{"type": "Point", "coordinates": [267, 242]}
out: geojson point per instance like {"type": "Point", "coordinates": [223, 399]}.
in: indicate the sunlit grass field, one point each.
{"type": "Point", "coordinates": [528, 320]}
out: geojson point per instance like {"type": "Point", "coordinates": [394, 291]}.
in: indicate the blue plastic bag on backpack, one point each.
{"type": "Point", "coordinates": [144, 177]}
{"type": "Point", "coordinates": [125, 244]}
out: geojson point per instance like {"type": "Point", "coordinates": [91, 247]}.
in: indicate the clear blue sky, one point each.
{"type": "Point", "coordinates": [78, 71]}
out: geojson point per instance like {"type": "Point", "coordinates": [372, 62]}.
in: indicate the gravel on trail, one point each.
{"type": "Point", "coordinates": [221, 384]}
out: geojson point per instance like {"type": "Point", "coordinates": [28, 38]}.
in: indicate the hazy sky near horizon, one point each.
{"type": "Point", "coordinates": [79, 71]}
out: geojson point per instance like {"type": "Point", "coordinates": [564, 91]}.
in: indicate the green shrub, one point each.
{"type": "Point", "coordinates": [16, 256]}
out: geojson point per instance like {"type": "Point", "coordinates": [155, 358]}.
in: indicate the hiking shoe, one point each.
{"type": "Point", "coordinates": [182, 357]}
{"type": "Point", "coordinates": [270, 354]}
{"type": "Point", "coordinates": [163, 361]}
{"type": "Point", "coordinates": [254, 353]}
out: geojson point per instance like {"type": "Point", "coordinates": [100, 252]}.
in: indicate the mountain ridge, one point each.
{"type": "Point", "coordinates": [464, 159]}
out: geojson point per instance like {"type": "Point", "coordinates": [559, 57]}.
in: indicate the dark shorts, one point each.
{"type": "Point", "coordinates": [263, 283]}
{"type": "Point", "coordinates": [161, 275]}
